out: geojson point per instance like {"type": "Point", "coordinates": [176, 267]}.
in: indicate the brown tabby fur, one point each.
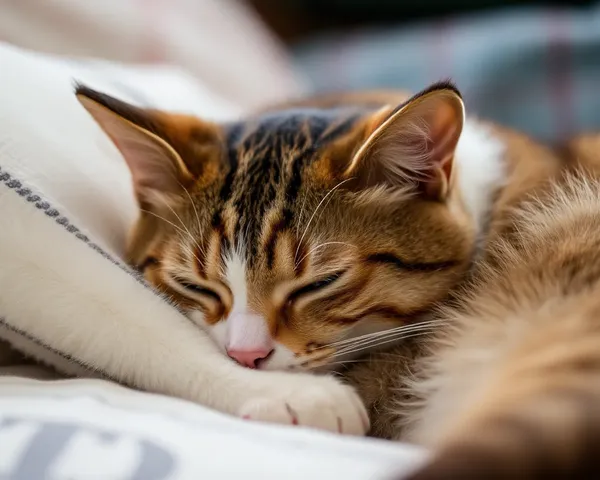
{"type": "Point", "coordinates": [257, 185]}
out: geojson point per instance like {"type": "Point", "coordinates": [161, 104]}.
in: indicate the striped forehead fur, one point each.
{"type": "Point", "coordinates": [267, 157]}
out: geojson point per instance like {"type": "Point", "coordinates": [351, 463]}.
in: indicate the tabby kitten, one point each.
{"type": "Point", "coordinates": [291, 235]}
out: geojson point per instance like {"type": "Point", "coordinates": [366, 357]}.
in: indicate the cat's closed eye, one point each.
{"type": "Point", "coordinates": [199, 290]}
{"type": "Point", "coordinates": [315, 286]}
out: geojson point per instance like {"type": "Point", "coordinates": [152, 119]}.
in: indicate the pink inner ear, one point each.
{"type": "Point", "coordinates": [154, 165]}
{"type": "Point", "coordinates": [415, 144]}
{"type": "Point", "coordinates": [444, 136]}
{"type": "Point", "coordinates": [149, 163]}
{"type": "Point", "coordinates": [441, 157]}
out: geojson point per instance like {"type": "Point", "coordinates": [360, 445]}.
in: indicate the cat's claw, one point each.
{"type": "Point", "coordinates": [326, 404]}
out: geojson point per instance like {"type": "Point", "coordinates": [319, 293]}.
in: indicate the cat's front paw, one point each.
{"type": "Point", "coordinates": [310, 401]}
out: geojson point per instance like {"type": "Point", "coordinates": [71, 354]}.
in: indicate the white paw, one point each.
{"type": "Point", "coordinates": [310, 401]}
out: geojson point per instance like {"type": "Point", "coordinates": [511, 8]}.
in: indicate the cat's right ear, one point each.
{"type": "Point", "coordinates": [412, 144]}
{"type": "Point", "coordinates": [155, 145]}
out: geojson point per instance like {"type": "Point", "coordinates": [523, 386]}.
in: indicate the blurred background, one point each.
{"type": "Point", "coordinates": [531, 65]}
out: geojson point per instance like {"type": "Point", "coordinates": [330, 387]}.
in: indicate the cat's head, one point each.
{"type": "Point", "coordinates": [291, 235]}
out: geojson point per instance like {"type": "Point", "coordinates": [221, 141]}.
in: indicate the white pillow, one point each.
{"type": "Point", "coordinates": [51, 143]}
{"type": "Point", "coordinates": [66, 206]}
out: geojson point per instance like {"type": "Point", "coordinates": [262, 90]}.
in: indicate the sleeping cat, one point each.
{"type": "Point", "coordinates": [308, 234]}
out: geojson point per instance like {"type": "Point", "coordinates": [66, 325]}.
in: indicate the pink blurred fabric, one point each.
{"type": "Point", "coordinates": [221, 42]}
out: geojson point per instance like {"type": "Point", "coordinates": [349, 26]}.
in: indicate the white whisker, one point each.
{"type": "Point", "coordinates": [315, 212]}
{"type": "Point", "coordinates": [355, 360]}
{"type": "Point", "coordinates": [391, 335]}
{"type": "Point", "coordinates": [191, 237]}
{"type": "Point", "coordinates": [333, 356]}
{"type": "Point", "coordinates": [424, 331]}
{"type": "Point", "coordinates": [179, 230]}
{"type": "Point", "coordinates": [320, 246]}
{"type": "Point", "coordinates": [193, 205]}
{"type": "Point", "coordinates": [387, 338]}
{"type": "Point", "coordinates": [164, 220]}
{"type": "Point", "coordinates": [341, 362]}
{"type": "Point", "coordinates": [389, 331]}
{"type": "Point", "coordinates": [190, 251]}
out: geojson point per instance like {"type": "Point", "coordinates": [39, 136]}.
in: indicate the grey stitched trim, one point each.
{"type": "Point", "coordinates": [40, 203]}
{"type": "Point", "coordinates": [26, 193]}
{"type": "Point", "coordinates": [45, 346]}
{"type": "Point", "coordinates": [52, 212]}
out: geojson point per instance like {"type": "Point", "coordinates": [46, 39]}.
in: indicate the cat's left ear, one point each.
{"type": "Point", "coordinates": [415, 142]}
{"type": "Point", "coordinates": [166, 153]}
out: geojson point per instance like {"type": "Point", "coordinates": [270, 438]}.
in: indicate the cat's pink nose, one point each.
{"type": "Point", "coordinates": [249, 358]}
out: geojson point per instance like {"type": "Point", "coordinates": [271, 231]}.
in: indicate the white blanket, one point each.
{"type": "Point", "coordinates": [89, 429]}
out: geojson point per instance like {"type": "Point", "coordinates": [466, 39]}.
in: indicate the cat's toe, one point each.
{"type": "Point", "coordinates": [327, 405]}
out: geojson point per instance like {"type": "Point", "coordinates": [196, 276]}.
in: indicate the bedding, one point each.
{"type": "Point", "coordinates": [66, 203]}
{"type": "Point", "coordinates": [90, 429]}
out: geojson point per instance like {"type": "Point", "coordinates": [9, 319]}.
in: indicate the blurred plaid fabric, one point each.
{"type": "Point", "coordinates": [534, 69]}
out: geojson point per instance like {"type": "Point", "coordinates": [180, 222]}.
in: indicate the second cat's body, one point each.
{"type": "Point", "coordinates": [513, 381]}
